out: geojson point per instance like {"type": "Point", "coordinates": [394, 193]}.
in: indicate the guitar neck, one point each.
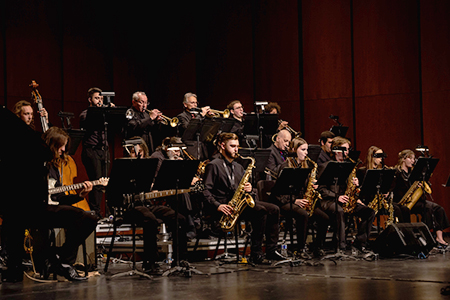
{"type": "Point", "coordinates": [166, 193]}
{"type": "Point", "coordinates": [66, 188]}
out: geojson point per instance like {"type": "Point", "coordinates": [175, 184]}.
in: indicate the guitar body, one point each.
{"type": "Point", "coordinates": [68, 174]}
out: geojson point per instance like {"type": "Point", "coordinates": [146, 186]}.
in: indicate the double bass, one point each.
{"type": "Point", "coordinates": [36, 97]}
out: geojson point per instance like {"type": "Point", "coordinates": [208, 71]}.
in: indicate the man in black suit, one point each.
{"type": "Point", "coordinates": [326, 138]}
{"type": "Point", "coordinates": [279, 149]}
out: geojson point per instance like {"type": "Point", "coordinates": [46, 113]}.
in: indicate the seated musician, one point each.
{"type": "Point", "coordinates": [278, 149]}
{"type": "Point", "coordinates": [326, 139]}
{"type": "Point", "coordinates": [222, 178]}
{"type": "Point", "coordinates": [375, 160]}
{"type": "Point", "coordinates": [147, 216]}
{"type": "Point", "coordinates": [297, 209]}
{"type": "Point", "coordinates": [170, 150]}
{"type": "Point", "coordinates": [433, 215]}
{"type": "Point", "coordinates": [274, 108]}
{"type": "Point", "coordinates": [329, 194]}
{"type": "Point", "coordinates": [24, 111]}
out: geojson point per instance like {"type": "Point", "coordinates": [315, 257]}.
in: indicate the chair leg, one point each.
{"type": "Point", "coordinates": [86, 271]}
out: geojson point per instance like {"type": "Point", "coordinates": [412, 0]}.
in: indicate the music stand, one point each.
{"type": "Point", "coordinates": [339, 130]}
{"type": "Point", "coordinates": [290, 182]}
{"type": "Point", "coordinates": [423, 169]}
{"type": "Point", "coordinates": [261, 156]}
{"type": "Point", "coordinates": [76, 136]}
{"type": "Point", "coordinates": [110, 120]}
{"type": "Point", "coordinates": [170, 178]}
{"type": "Point", "coordinates": [314, 152]}
{"type": "Point", "coordinates": [256, 124]}
{"type": "Point", "coordinates": [192, 134]}
{"type": "Point", "coordinates": [377, 182]}
{"type": "Point", "coordinates": [335, 173]}
{"type": "Point", "coordinates": [128, 176]}
{"type": "Point", "coordinates": [447, 184]}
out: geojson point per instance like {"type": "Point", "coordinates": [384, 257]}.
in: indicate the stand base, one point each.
{"type": "Point", "coordinates": [338, 256]}
{"type": "Point", "coordinates": [132, 273]}
{"type": "Point", "coordinates": [185, 270]}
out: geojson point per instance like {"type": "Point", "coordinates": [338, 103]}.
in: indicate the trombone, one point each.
{"type": "Point", "coordinates": [224, 114]}
{"type": "Point", "coordinates": [173, 122]}
{"type": "Point", "coordinates": [294, 134]}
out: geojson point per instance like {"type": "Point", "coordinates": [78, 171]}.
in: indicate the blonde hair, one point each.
{"type": "Point", "coordinates": [401, 156]}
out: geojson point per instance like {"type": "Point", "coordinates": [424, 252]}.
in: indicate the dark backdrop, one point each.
{"type": "Point", "coordinates": [382, 66]}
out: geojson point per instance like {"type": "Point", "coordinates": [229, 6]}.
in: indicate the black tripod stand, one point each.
{"type": "Point", "coordinates": [170, 178]}
{"type": "Point", "coordinates": [335, 174]}
{"type": "Point", "coordinates": [129, 177]}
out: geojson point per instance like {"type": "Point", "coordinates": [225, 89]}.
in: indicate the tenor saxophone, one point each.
{"type": "Point", "coordinates": [311, 194]}
{"type": "Point", "coordinates": [240, 199]}
{"type": "Point", "coordinates": [352, 191]}
{"type": "Point", "coordinates": [414, 193]}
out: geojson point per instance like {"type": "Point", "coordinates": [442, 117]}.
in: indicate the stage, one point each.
{"type": "Point", "coordinates": [394, 278]}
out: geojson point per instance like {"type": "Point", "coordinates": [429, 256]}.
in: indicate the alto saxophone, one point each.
{"type": "Point", "coordinates": [352, 191]}
{"type": "Point", "coordinates": [384, 203]}
{"type": "Point", "coordinates": [414, 193]}
{"type": "Point", "coordinates": [312, 195]}
{"type": "Point", "coordinates": [240, 199]}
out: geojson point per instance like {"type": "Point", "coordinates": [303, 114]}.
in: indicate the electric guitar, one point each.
{"type": "Point", "coordinates": [65, 188]}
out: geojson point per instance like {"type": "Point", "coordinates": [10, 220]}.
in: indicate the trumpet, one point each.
{"type": "Point", "coordinates": [217, 113]}
{"type": "Point", "coordinates": [173, 122]}
{"type": "Point", "coordinates": [293, 133]}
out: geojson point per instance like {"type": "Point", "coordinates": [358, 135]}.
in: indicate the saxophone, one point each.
{"type": "Point", "coordinates": [240, 199]}
{"type": "Point", "coordinates": [352, 191]}
{"type": "Point", "coordinates": [384, 203]}
{"type": "Point", "coordinates": [414, 193]}
{"type": "Point", "coordinates": [311, 194]}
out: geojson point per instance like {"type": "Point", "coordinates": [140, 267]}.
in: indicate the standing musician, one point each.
{"type": "Point", "coordinates": [191, 111]}
{"type": "Point", "coordinates": [329, 193]}
{"type": "Point", "coordinates": [237, 111]}
{"type": "Point", "coordinates": [326, 139]}
{"type": "Point", "coordinates": [278, 149]}
{"type": "Point", "coordinates": [95, 153]}
{"type": "Point", "coordinates": [24, 111]}
{"type": "Point", "coordinates": [141, 120]}
{"type": "Point", "coordinates": [375, 160]}
{"type": "Point", "coordinates": [297, 209]}
{"type": "Point", "coordinates": [147, 216]}
{"type": "Point", "coordinates": [222, 179]}
{"type": "Point", "coordinates": [433, 214]}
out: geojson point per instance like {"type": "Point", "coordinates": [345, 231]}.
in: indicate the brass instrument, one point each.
{"type": "Point", "coordinates": [271, 173]}
{"type": "Point", "coordinates": [414, 193]}
{"type": "Point", "coordinates": [240, 199]}
{"type": "Point", "coordinates": [384, 203]}
{"type": "Point", "coordinates": [201, 167]}
{"type": "Point", "coordinates": [312, 195]}
{"type": "Point", "coordinates": [173, 122]}
{"type": "Point", "coordinates": [218, 113]}
{"type": "Point", "coordinates": [352, 191]}
{"type": "Point", "coordinates": [293, 133]}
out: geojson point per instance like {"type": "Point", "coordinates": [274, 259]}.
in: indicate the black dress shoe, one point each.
{"type": "Point", "coordinates": [69, 272]}
{"type": "Point", "coordinates": [256, 259]}
{"type": "Point", "coordinates": [275, 256]}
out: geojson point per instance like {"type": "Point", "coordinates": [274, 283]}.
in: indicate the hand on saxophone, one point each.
{"type": "Point", "coordinates": [343, 199]}
{"type": "Point", "coordinates": [248, 187]}
{"type": "Point", "coordinates": [225, 208]}
{"type": "Point", "coordinates": [301, 202]}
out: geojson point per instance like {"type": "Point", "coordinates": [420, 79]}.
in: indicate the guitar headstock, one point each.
{"type": "Point", "coordinates": [104, 181]}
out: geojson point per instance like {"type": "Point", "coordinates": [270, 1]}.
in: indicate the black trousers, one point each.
{"type": "Point", "coordinates": [149, 218]}
{"type": "Point", "coordinates": [96, 162]}
{"type": "Point", "coordinates": [301, 221]}
{"type": "Point", "coordinates": [433, 214]}
{"type": "Point", "coordinates": [79, 224]}
{"type": "Point", "coordinates": [264, 218]}
{"type": "Point", "coordinates": [366, 214]}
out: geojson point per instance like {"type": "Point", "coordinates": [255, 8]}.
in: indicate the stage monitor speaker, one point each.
{"type": "Point", "coordinates": [405, 238]}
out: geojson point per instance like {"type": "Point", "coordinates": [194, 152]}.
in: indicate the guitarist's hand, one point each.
{"type": "Point", "coordinates": [87, 187]}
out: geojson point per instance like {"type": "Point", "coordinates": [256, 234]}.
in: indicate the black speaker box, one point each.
{"type": "Point", "coordinates": [405, 238]}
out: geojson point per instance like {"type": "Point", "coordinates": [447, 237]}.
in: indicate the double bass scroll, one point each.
{"type": "Point", "coordinates": [36, 98]}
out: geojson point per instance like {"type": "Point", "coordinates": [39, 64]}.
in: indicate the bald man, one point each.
{"type": "Point", "coordinates": [279, 149]}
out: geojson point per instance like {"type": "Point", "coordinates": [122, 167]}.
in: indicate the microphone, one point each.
{"type": "Point", "coordinates": [333, 117]}
{"type": "Point", "coordinates": [379, 155]}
